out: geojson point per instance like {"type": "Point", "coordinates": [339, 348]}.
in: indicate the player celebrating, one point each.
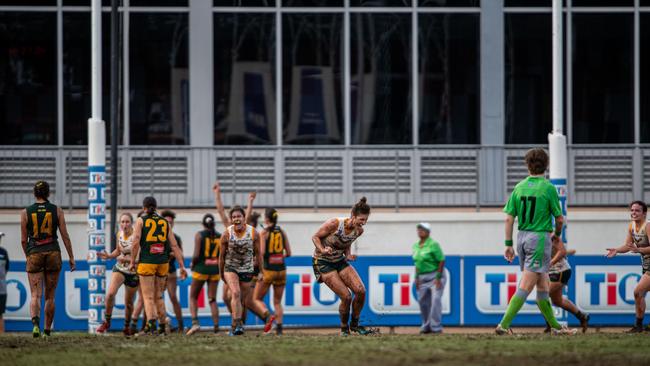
{"type": "Point", "coordinates": [172, 282]}
{"type": "Point", "coordinates": [274, 248]}
{"type": "Point", "coordinates": [637, 242]}
{"type": "Point", "coordinates": [152, 244]}
{"type": "Point", "coordinates": [535, 203]}
{"type": "Point", "coordinates": [205, 268]}
{"type": "Point", "coordinates": [239, 245]}
{"type": "Point", "coordinates": [121, 275]}
{"type": "Point", "coordinates": [38, 225]}
{"type": "Point", "coordinates": [559, 275]}
{"type": "Point", "coordinates": [330, 261]}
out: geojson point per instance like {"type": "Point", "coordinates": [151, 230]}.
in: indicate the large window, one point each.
{"type": "Point", "coordinates": [159, 79]}
{"type": "Point", "coordinates": [77, 96]}
{"type": "Point", "coordinates": [644, 81]}
{"type": "Point", "coordinates": [28, 112]}
{"type": "Point", "coordinates": [381, 78]}
{"type": "Point", "coordinates": [312, 79]}
{"type": "Point", "coordinates": [603, 73]}
{"type": "Point", "coordinates": [528, 78]}
{"type": "Point", "coordinates": [244, 79]}
{"type": "Point", "coordinates": [449, 78]}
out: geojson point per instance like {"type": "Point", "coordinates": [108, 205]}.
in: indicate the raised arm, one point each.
{"type": "Point", "coordinates": [249, 206]}
{"type": "Point", "coordinates": [216, 188]}
{"type": "Point", "coordinates": [326, 229]}
{"type": "Point", "coordinates": [63, 229]}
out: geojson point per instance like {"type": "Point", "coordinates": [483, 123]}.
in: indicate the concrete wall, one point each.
{"type": "Point", "coordinates": [387, 233]}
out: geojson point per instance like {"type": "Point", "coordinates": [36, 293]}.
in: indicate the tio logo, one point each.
{"type": "Point", "coordinates": [606, 289]}
{"type": "Point", "coordinates": [391, 290]}
{"type": "Point", "coordinates": [494, 287]}
{"type": "Point", "coordinates": [303, 295]}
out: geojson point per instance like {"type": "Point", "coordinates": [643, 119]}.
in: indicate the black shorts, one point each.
{"type": "Point", "coordinates": [130, 280]}
{"type": "Point", "coordinates": [243, 276]}
{"type": "Point", "coordinates": [562, 277]}
{"type": "Point", "coordinates": [322, 266]}
{"type": "Point", "coordinates": [3, 303]}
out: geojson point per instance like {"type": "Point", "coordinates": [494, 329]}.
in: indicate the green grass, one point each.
{"type": "Point", "coordinates": [404, 350]}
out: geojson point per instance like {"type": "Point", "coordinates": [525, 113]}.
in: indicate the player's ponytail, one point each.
{"type": "Point", "coordinates": [42, 190]}
{"type": "Point", "coordinates": [271, 215]}
{"type": "Point", "coordinates": [361, 207]}
{"type": "Point", "coordinates": [149, 204]}
{"type": "Point", "coordinates": [208, 222]}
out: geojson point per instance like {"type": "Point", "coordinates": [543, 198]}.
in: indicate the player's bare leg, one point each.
{"type": "Point", "coordinates": [116, 281]}
{"type": "Point", "coordinates": [176, 305]}
{"type": "Point", "coordinates": [351, 278]}
{"type": "Point", "coordinates": [51, 282]}
{"type": "Point", "coordinates": [232, 280]}
{"type": "Point", "coordinates": [278, 292]}
{"type": "Point", "coordinates": [36, 290]}
{"type": "Point", "coordinates": [161, 286]}
{"type": "Point", "coordinates": [195, 291]}
{"type": "Point", "coordinates": [148, 284]}
{"type": "Point", "coordinates": [336, 284]}
{"type": "Point", "coordinates": [560, 301]}
{"type": "Point", "coordinates": [129, 296]}
{"type": "Point", "coordinates": [640, 291]}
{"type": "Point", "coordinates": [212, 301]}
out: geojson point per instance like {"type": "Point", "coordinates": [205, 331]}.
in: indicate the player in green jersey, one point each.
{"type": "Point", "coordinates": [38, 226]}
{"type": "Point", "coordinates": [535, 203]}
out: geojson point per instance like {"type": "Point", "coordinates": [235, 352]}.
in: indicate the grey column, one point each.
{"type": "Point", "coordinates": [492, 171]}
{"type": "Point", "coordinates": [201, 73]}
{"type": "Point", "coordinates": [201, 164]}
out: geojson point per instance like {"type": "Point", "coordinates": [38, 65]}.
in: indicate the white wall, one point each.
{"type": "Point", "coordinates": [387, 233]}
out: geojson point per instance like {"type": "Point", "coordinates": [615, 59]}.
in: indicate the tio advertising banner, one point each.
{"type": "Point", "coordinates": [603, 287]}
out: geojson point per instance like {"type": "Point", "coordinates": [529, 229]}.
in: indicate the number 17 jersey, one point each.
{"type": "Point", "coordinates": [535, 203]}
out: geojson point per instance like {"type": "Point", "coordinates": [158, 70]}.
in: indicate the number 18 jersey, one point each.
{"type": "Point", "coordinates": [535, 203]}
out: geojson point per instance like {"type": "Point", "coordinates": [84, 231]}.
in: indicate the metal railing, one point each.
{"type": "Point", "coordinates": [323, 176]}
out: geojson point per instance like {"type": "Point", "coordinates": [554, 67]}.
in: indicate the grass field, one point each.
{"type": "Point", "coordinates": [321, 349]}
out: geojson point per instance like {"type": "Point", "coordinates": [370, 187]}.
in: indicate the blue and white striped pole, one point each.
{"type": "Point", "coordinates": [557, 143]}
{"type": "Point", "coordinates": [96, 180]}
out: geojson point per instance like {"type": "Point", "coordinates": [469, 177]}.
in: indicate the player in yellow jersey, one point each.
{"type": "Point", "coordinates": [38, 226]}
{"type": "Point", "coordinates": [274, 248]}
{"type": "Point", "coordinates": [153, 241]}
{"type": "Point", "coordinates": [637, 241]}
{"type": "Point", "coordinates": [205, 269]}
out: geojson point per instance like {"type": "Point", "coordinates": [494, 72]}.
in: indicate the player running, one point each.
{"type": "Point", "coordinates": [559, 274]}
{"type": "Point", "coordinates": [637, 242]}
{"type": "Point", "coordinates": [535, 203]}
{"type": "Point", "coordinates": [121, 275]}
{"type": "Point", "coordinates": [274, 248]}
{"type": "Point", "coordinates": [152, 244]}
{"type": "Point", "coordinates": [38, 225]}
{"type": "Point", "coordinates": [205, 268]}
{"type": "Point", "coordinates": [172, 281]}
{"type": "Point", "coordinates": [330, 261]}
{"type": "Point", "coordinates": [239, 246]}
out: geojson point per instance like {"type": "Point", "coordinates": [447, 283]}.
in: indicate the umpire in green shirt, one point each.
{"type": "Point", "coordinates": [430, 279]}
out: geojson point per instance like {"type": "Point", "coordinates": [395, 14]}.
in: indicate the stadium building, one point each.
{"type": "Point", "coordinates": [424, 106]}
{"type": "Point", "coordinates": [413, 103]}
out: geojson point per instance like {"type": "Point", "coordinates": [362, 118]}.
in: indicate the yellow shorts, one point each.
{"type": "Point", "coordinates": [277, 278]}
{"type": "Point", "coordinates": [150, 269]}
{"type": "Point", "coordinates": [205, 277]}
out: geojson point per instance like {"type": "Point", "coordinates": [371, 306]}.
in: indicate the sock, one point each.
{"type": "Point", "coordinates": [639, 322]}
{"type": "Point", "coordinates": [544, 305]}
{"type": "Point", "coordinates": [108, 318]}
{"type": "Point", "coordinates": [47, 332]}
{"type": "Point", "coordinates": [151, 324]}
{"type": "Point", "coordinates": [516, 302]}
{"type": "Point", "coordinates": [278, 328]}
{"type": "Point", "coordinates": [354, 322]}
{"type": "Point", "coordinates": [36, 321]}
{"type": "Point", "coordinates": [216, 329]}
{"type": "Point", "coordinates": [195, 321]}
{"type": "Point", "coordinates": [265, 316]}
{"type": "Point", "coordinates": [163, 326]}
{"type": "Point", "coordinates": [344, 320]}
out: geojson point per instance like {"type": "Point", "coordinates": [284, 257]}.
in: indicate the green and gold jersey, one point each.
{"type": "Point", "coordinates": [208, 261]}
{"type": "Point", "coordinates": [274, 250]}
{"type": "Point", "coordinates": [154, 246]}
{"type": "Point", "coordinates": [535, 203]}
{"type": "Point", "coordinates": [42, 224]}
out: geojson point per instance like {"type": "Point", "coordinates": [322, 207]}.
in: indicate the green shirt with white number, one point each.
{"type": "Point", "coordinates": [535, 203]}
